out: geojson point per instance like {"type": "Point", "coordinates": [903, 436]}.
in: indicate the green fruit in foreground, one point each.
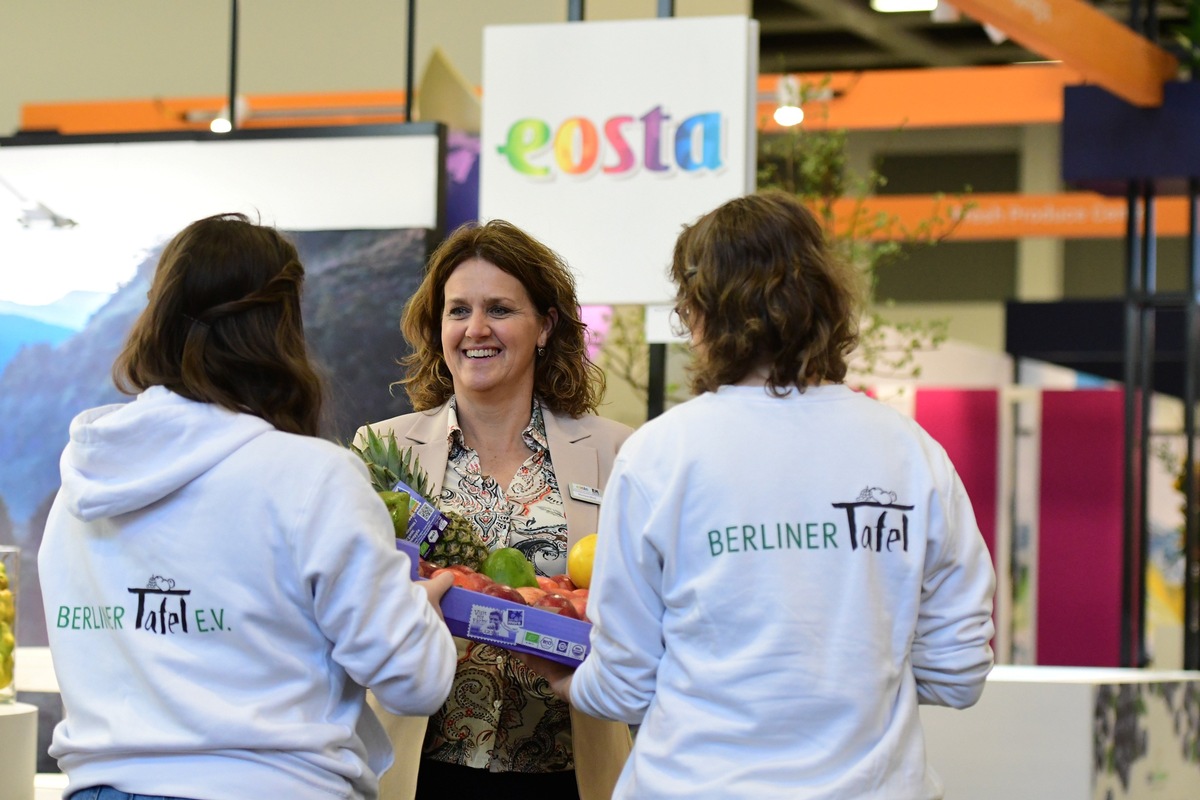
{"type": "Point", "coordinates": [509, 566]}
{"type": "Point", "coordinates": [7, 644]}
{"type": "Point", "coordinates": [398, 506]}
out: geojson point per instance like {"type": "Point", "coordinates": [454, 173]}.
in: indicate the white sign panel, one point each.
{"type": "Point", "coordinates": [120, 198]}
{"type": "Point", "coordinates": [603, 138]}
{"type": "Point", "coordinates": [318, 183]}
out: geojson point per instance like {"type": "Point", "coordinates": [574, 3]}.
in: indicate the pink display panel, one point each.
{"type": "Point", "coordinates": [1080, 528]}
{"type": "Point", "coordinates": [966, 423]}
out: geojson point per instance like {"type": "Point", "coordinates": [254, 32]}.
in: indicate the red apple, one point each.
{"type": "Point", "coordinates": [559, 604]}
{"type": "Point", "coordinates": [504, 592]}
{"type": "Point", "coordinates": [425, 569]}
{"type": "Point", "coordinates": [547, 584]}
{"type": "Point", "coordinates": [580, 604]}
{"type": "Point", "coordinates": [531, 593]}
{"type": "Point", "coordinates": [465, 578]}
{"type": "Point", "coordinates": [564, 582]}
{"type": "Point", "coordinates": [475, 581]}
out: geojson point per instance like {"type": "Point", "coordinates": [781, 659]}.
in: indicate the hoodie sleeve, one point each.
{"type": "Point", "coordinates": [617, 680]}
{"type": "Point", "coordinates": [951, 652]}
{"type": "Point", "coordinates": [385, 633]}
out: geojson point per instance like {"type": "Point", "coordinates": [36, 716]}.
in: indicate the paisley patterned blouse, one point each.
{"type": "Point", "coordinates": [500, 716]}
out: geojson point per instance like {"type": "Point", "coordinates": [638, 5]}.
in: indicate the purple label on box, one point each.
{"type": "Point", "coordinates": [426, 523]}
{"type": "Point", "coordinates": [510, 625]}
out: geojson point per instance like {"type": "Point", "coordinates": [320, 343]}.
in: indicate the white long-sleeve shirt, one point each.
{"type": "Point", "coordinates": [217, 594]}
{"type": "Point", "coordinates": [778, 583]}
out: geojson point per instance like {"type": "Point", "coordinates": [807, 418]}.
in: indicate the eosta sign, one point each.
{"type": "Point", "coordinates": [580, 147]}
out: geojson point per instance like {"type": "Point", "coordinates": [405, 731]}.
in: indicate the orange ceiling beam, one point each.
{"type": "Point", "coordinates": [1104, 51]}
{"type": "Point", "coordinates": [195, 113]}
{"type": "Point", "coordinates": [943, 97]}
{"type": "Point", "coordinates": [882, 99]}
{"type": "Point", "coordinates": [1069, 215]}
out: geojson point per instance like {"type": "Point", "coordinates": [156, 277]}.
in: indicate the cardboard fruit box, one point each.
{"type": "Point", "coordinates": [513, 626]}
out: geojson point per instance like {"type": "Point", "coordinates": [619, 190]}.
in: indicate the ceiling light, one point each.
{"type": "Point", "coordinates": [787, 116]}
{"type": "Point", "coordinates": [901, 6]}
{"type": "Point", "coordinates": [787, 98]}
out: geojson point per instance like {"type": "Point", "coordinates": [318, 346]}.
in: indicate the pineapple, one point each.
{"type": "Point", "coordinates": [389, 465]}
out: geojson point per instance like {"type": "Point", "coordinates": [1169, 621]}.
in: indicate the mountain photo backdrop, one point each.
{"type": "Point", "coordinates": [56, 359]}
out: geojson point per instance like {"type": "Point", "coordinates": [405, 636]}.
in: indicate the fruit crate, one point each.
{"type": "Point", "coordinates": [503, 623]}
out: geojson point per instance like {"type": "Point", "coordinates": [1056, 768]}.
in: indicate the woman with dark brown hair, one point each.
{"type": "Point", "coordinates": [785, 568]}
{"type": "Point", "coordinates": [204, 562]}
{"type": "Point", "coordinates": [505, 427]}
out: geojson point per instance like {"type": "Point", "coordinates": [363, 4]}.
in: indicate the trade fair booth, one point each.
{"type": "Point", "coordinates": [604, 160]}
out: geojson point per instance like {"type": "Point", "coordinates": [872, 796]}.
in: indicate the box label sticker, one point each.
{"type": "Point", "coordinates": [508, 626]}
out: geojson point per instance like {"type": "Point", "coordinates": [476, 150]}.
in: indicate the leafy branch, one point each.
{"type": "Point", "coordinates": [812, 163]}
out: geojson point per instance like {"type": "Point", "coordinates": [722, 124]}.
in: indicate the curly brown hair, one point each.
{"type": "Point", "coordinates": [760, 286]}
{"type": "Point", "coordinates": [223, 325]}
{"type": "Point", "coordinates": [564, 378]}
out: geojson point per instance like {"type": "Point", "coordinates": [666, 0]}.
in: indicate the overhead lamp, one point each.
{"type": "Point", "coordinates": [788, 111]}
{"type": "Point", "coordinates": [220, 122]}
{"type": "Point", "coordinates": [902, 6]}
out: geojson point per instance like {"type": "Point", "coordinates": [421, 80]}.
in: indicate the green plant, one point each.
{"type": "Point", "coordinates": [625, 355]}
{"type": "Point", "coordinates": [812, 162]}
{"type": "Point", "coordinates": [1184, 40]}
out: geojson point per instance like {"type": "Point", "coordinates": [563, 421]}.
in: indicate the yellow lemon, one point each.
{"type": "Point", "coordinates": [579, 561]}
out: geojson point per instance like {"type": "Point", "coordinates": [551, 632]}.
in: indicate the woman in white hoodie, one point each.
{"type": "Point", "coordinates": [220, 584]}
{"type": "Point", "coordinates": [786, 568]}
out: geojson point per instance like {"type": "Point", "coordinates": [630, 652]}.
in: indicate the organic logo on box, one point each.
{"type": "Point", "coordinates": [579, 149]}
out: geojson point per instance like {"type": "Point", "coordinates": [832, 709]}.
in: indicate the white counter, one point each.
{"type": "Point", "coordinates": [1071, 733]}
{"type": "Point", "coordinates": [18, 750]}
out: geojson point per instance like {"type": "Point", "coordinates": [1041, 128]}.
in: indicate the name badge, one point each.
{"type": "Point", "coordinates": [585, 494]}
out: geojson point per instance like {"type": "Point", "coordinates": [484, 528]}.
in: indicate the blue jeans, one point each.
{"type": "Point", "coordinates": [109, 793]}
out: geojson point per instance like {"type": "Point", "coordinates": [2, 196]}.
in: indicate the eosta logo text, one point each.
{"type": "Point", "coordinates": [578, 147]}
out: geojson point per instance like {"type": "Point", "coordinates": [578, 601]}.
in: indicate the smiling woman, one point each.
{"type": "Point", "coordinates": [505, 398]}
{"type": "Point", "coordinates": [491, 333]}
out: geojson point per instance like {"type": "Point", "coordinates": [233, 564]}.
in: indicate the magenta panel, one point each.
{"type": "Point", "coordinates": [1080, 528]}
{"type": "Point", "coordinates": [966, 423]}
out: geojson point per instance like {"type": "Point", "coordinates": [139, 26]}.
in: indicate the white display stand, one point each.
{"type": "Point", "coordinates": [1056, 732]}
{"type": "Point", "coordinates": [18, 750]}
{"type": "Point", "coordinates": [35, 670]}
{"type": "Point", "coordinates": [35, 673]}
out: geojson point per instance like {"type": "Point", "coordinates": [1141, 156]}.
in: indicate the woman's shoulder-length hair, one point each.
{"type": "Point", "coordinates": [223, 325]}
{"type": "Point", "coordinates": [759, 283]}
{"type": "Point", "coordinates": [564, 378]}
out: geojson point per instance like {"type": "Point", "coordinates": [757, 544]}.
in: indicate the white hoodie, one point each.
{"type": "Point", "coordinates": [778, 583]}
{"type": "Point", "coordinates": [217, 594]}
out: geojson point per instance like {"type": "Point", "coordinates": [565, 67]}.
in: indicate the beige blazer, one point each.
{"type": "Point", "coordinates": [582, 451]}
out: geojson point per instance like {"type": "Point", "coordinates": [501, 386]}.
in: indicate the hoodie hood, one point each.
{"type": "Point", "coordinates": [123, 457]}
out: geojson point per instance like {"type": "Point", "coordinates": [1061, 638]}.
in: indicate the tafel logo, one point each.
{"type": "Point", "coordinates": [693, 145]}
